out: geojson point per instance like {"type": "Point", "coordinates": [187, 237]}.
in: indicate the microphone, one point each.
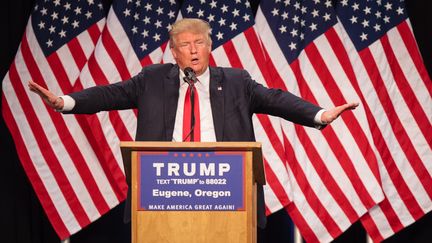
{"type": "Point", "coordinates": [190, 78]}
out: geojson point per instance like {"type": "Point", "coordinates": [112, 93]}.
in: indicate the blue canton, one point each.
{"type": "Point", "coordinates": [56, 22]}
{"type": "Point", "coordinates": [146, 23]}
{"type": "Point", "coordinates": [367, 21]}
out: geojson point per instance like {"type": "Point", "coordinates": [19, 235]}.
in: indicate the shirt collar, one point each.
{"type": "Point", "coordinates": [204, 78]}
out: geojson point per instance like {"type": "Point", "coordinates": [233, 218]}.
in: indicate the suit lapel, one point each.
{"type": "Point", "coordinates": [171, 94]}
{"type": "Point", "coordinates": [217, 101]}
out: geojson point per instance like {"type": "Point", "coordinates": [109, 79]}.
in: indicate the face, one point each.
{"type": "Point", "coordinates": [191, 50]}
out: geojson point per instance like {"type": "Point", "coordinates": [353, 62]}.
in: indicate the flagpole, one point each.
{"type": "Point", "coordinates": [67, 240]}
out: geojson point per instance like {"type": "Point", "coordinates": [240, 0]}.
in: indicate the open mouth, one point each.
{"type": "Point", "coordinates": [195, 60]}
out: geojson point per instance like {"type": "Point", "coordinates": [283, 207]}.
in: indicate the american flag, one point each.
{"type": "Point", "coordinates": [396, 90]}
{"type": "Point", "coordinates": [236, 44]}
{"type": "Point", "coordinates": [54, 149]}
{"type": "Point", "coordinates": [336, 176]}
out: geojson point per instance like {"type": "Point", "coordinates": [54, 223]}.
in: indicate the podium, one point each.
{"type": "Point", "coordinates": [193, 191]}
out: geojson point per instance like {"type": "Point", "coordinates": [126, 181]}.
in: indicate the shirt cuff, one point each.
{"type": "Point", "coordinates": [68, 103]}
{"type": "Point", "coordinates": [317, 119]}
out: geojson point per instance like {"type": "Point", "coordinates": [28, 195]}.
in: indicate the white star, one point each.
{"type": "Point", "coordinates": [156, 37]}
{"type": "Point", "coordinates": [224, 8]}
{"type": "Point", "coordinates": [41, 25]}
{"type": "Point", "coordinates": [54, 15]}
{"type": "Point", "coordinates": [56, 2]}
{"type": "Point", "coordinates": [386, 19]}
{"type": "Point", "coordinates": [295, 19]}
{"type": "Point", "coordinates": [303, 10]}
{"type": "Point", "coordinates": [236, 13]}
{"type": "Point", "coordinates": [77, 10]}
{"type": "Point", "coordinates": [62, 33]}
{"type": "Point", "coordinates": [126, 12]}
{"type": "Point", "coordinates": [138, 3]}
{"type": "Point", "coordinates": [378, 14]}
{"type": "Point", "coordinates": [51, 29]}
{"type": "Point", "coordinates": [367, 10]}
{"type": "Point", "coordinates": [144, 33]}
{"type": "Point", "coordinates": [327, 16]}
{"type": "Point", "coordinates": [169, 27]}
{"type": "Point", "coordinates": [388, 6]}
{"type": "Point", "coordinates": [247, 4]}
{"type": "Point", "coordinates": [221, 21]}
{"type": "Point", "coordinates": [282, 29]}
{"type": "Point", "coordinates": [75, 24]}
{"type": "Point", "coordinates": [294, 32]}
{"type": "Point", "coordinates": [88, 14]}
{"type": "Point", "coordinates": [189, 9]}
{"type": "Point", "coordinates": [287, 2]}
{"type": "Point", "coordinates": [302, 22]}
{"type": "Point", "coordinates": [65, 19]}
{"type": "Point", "coordinates": [159, 10]}
{"type": "Point", "coordinates": [148, 7]}
{"type": "Point", "coordinates": [297, 5]}
{"type": "Point", "coordinates": [284, 15]}
{"type": "Point", "coordinates": [210, 18]}
{"type": "Point", "coordinates": [363, 36]}
{"type": "Point", "coordinates": [301, 36]}
{"type": "Point", "coordinates": [353, 19]}
{"type": "Point", "coordinates": [328, 4]}
{"type": "Point", "coordinates": [313, 26]}
{"type": "Point", "coordinates": [219, 35]}
{"type": "Point", "coordinates": [292, 46]}
{"type": "Point", "coordinates": [379, 2]}
{"type": "Point", "coordinates": [377, 27]}
{"type": "Point", "coordinates": [67, 6]}
{"type": "Point", "coordinates": [134, 29]}
{"type": "Point", "coordinates": [146, 20]}
{"type": "Point", "coordinates": [399, 11]}
{"type": "Point", "coordinates": [200, 13]}
{"type": "Point", "coordinates": [44, 11]}
{"type": "Point", "coordinates": [246, 17]}
{"type": "Point", "coordinates": [49, 43]}
{"type": "Point", "coordinates": [158, 24]}
{"type": "Point", "coordinates": [233, 26]}
{"type": "Point", "coordinates": [143, 47]}
{"type": "Point", "coordinates": [171, 14]}
{"type": "Point", "coordinates": [355, 6]}
{"type": "Point", "coordinates": [316, 1]}
{"type": "Point", "coordinates": [90, 2]}
{"type": "Point", "coordinates": [136, 16]}
{"type": "Point", "coordinates": [202, 1]}
{"type": "Point", "coordinates": [173, 2]}
{"type": "Point", "coordinates": [344, 3]}
{"type": "Point", "coordinates": [365, 23]}
{"type": "Point", "coordinates": [275, 12]}
{"type": "Point", "coordinates": [213, 4]}
{"type": "Point", "coordinates": [315, 13]}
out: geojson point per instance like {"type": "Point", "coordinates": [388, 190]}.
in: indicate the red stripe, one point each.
{"type": "Point", "coordinates": [77, 53]}
{"type": "Point", "coordinates": [411, 45]}
{"type": "Point", "coordinates": [307, 233]}
{"type": "Point", "coordinates": [399, 132]}
{"type": "Point", "coordinates": [146, 61]}
{"type": "Point", "coordinates": [351, 122]}
{"type": "Point", "coordinates": [408, 94]}
{"type": "Point", "coordinates": [310, 196]}
{"type": "Point", "coordinates": [33, 175]}
{"type": "Point", "coordinates": [115, 54]}
{"type": "Point", "coordinates": [275, 184]}
{"type": "Point", "coordinates": [232, 54]}
{"type": "Point", "coordinates": [361, 139]}
{"type": "Point", "coordinates": [94, 33]}
{"type": "Point", "coordinates": [42, 141]}
{"type": "Point", "coordinates": [371, 228]}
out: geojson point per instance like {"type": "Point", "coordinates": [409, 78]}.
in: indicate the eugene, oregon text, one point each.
{"type": "Point", "coordinates": [189, 170]}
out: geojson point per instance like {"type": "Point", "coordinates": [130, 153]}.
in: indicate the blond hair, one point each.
{"type": "Point", "coordinates": [196, 26]}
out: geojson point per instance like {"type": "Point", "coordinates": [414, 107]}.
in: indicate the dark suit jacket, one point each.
{"type": "Point", "coordinates": [234, 98]}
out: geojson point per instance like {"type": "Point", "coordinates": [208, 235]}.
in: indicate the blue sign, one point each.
{"type": "Point", "coordinates": [191, 181]}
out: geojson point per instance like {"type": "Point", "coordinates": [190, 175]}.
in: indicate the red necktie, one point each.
{"type": "Point", "coordinates": [187, 134]}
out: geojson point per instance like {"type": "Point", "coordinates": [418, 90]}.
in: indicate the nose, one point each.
{"type": "Point", "coordinates": [193, 48]}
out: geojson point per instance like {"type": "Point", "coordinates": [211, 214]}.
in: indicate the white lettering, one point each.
{"type": "Point", "coordinates": [158, 167]}
{"type": "Point", "coordinates": [223, 168]}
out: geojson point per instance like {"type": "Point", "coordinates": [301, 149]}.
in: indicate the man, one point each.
{"type": "Point", "coordinates": [227, 98]}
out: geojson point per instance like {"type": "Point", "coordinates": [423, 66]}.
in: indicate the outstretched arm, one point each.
{"type": "Point", "coordinates": [50, 99]}
{"type": "Point", "coordinates": [329, 116]}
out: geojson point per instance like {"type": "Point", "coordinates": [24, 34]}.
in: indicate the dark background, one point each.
{"type": "Point", "coordinates": [23, 220]}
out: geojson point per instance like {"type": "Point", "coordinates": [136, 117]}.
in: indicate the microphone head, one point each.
{"type": "Point", "coordinates": [190, 73]}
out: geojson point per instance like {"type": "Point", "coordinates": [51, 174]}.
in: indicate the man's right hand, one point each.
{"type": "Point", "coordinates": [50, 99]}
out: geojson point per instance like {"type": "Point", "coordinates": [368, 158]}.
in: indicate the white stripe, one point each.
{"type": "Point", "coordinates": [69, 64]}
{"type": "Point", "coordinates": [271, 200]}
